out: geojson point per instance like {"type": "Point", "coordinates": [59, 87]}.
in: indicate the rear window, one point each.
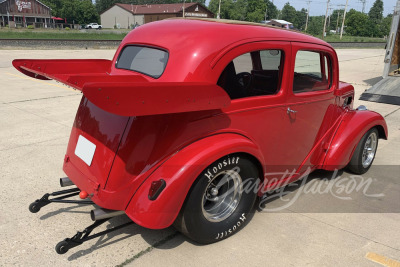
{"type": "Point", "coordinates": [147, 60]}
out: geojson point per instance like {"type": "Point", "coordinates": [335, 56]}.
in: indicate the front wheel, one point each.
{"type": "Point", "coordinates": [221, 200]}
{"type": "Point", "coordinates": [365, 152]}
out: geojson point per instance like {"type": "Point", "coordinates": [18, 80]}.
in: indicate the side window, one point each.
{"type": "Point", "coordinates": [312, 72]}
{"type": "Point", "coordinates": [253, 74]}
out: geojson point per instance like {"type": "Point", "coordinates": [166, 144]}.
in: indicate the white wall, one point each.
{"type": "Point", "coordinates": [117, 15]}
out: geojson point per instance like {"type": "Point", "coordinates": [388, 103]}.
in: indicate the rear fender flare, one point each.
{"type": "Point", "coordinates": [179, 172]}
{"type": "Point", "coordinates": [354, 125]}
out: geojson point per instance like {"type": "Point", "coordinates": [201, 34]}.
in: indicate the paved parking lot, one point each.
{"type": "Point", "coordinates": [36, 119]}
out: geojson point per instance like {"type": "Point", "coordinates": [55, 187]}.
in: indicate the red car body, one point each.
{"type": "Point", "coordinates": [175, 125]}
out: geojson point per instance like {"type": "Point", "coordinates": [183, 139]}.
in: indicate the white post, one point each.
{"type": "Point", "coordinates": [308, 12]}
{"type": "Point", "coordinates": [326, 16]}
{"type": "Point", "coordinates": [219, 10]}
{"type": "Point", "coordinates": [344, 16]}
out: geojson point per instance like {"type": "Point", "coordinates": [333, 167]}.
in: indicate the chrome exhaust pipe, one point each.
{"type": "Point", "coordinates": [65, 182]}
{"type": "Point", "coordinates": [99, 214]}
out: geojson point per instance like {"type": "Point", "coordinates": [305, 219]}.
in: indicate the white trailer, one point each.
{"type": "Point", "coordinates": [387, 90]}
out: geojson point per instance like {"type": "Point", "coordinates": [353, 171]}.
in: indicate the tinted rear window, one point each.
{"type": "Point", "coordinates": [146, 60]}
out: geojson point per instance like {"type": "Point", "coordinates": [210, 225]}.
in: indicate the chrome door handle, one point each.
{"type": "Point", "coordinates": [289, 110]}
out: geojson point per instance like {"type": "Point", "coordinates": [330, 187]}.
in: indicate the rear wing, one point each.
{"type": "Point", "coordinates": [126, 95]}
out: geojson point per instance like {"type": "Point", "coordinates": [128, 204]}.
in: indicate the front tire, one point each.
{"type": "Point", "coordinates": [365, 152]}
{"type": "Point", "coordinates": [221, 200]}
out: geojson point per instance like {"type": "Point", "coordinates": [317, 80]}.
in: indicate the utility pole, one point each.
{"type": "Point", "coordinates": [344, 17]}
{"type": "Point", "coordinates": [308, 13]}
{"type": "Point", "coordinates": [337, 23]}
{"type": "Point", "coordinates": [265, 17]}
{"type": "Point", "coordinates": [329, 17]}
{"type": "Point", "coordinates": [219, 10]}
{"type": "Point", "coordinates": [326, 16]}
{"type": "Point", "coordinates": [363, 5]}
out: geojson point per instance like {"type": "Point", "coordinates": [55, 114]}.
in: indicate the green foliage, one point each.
{"type": "Point", "coordinates": [57, 34]}
{"type": "Point", "coordinates": [75, 11]}
{"type": "Point", "coordinates": [245, 10]}
{"type": "Point", "coordinates": [31, 27]}
{"type": "Point", "coordinates": [376, 12]}
{"type": "Point", "coordinates": [316, 25]}
{"type": "Point", "coordinates": [288, 13]}
{"type": "Point", "coordinates": [67, 28]}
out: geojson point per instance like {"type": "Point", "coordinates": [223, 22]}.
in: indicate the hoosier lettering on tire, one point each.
{"type": "Point", "coordinates": [217, 205]}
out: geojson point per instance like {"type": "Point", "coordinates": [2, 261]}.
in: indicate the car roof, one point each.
{"type": "Point", "coordinates": [196, 45]}
{"type": "Point", "coordinates": [187, 32]}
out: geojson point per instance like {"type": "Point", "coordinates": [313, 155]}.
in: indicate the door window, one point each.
{"type": "Point", "coordinates": [253, 74]}
{"type": "Point", "coordinates": [312, 72]}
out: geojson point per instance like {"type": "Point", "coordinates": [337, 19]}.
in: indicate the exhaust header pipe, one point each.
{"type": "Point", "coordinates": [99, 214]}
{"type": "Point", "coordinates": [65, 182]}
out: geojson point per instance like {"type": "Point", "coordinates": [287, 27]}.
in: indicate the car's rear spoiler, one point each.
{"type": "Point", "coordinates": [126, 95]}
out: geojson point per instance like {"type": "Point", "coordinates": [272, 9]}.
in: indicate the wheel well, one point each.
{"type": "Point", "coordinates": [257, 163]}
{"type": "Point", "coordinates": [381, 132]}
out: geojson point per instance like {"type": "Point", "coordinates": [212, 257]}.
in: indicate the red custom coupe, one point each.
{"type": "Point", "coordinates": [190, 113]}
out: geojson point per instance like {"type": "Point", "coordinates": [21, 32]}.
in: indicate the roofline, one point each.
{"type": "Point", "coordinates": [35, 0]}
{"type": "Point", "coordinates": [189, 5]}
{"type": "Point", "coordinates": [239, 22]}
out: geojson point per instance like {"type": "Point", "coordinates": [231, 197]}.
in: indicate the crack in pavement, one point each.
{"type": "Point", "coordinates": [35, 143]}
{"type": "Point", "coordinates": [347, 231]}
{"type": "Point", "coordinates": [394, 111]}
{"type": "Point", "coordinates": [35, 99]}
{"type": "Point", "coordinates": [149, 249]}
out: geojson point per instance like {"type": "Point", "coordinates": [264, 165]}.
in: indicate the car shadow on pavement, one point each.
{"type": "Point", "coordinates": [70, 209]}
{"type": "Point", "coordinates": [152, 237]}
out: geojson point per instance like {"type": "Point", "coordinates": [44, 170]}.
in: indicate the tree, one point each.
{"type": "Point", "coordinates": [385, 25]}
{"type": "Point", "coordinates": [376, 12]}
{"type": "Point", "coordinates": [316, 25]}
{"type": "Point", "coordinates": [226, 7]}
{"type": "Point", "coordinates": [288, 13]}
{"type": "Point", "coordinates": [300, 19]}
{"type": "Point", "coordinates": [358, 24]}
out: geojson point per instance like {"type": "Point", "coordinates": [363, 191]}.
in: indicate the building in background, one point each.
{"type": "Point", "coordinates": [129, 16]}
{"type": "Point", "coordinates": [23, 13]}
{"type": "Point", "coordinates": [280, 23]}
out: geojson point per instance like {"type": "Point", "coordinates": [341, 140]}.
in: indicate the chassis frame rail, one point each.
{"type": "Point", "coordinates": [80, 237]}
{"type": "Point", "coordinates": [60, 197]}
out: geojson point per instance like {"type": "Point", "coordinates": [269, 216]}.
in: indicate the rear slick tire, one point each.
{"type": "Point", "coordinates": [221, 200]}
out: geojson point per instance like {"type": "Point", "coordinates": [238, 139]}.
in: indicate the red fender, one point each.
{"type": "Point", "coordinates": [179, 172]}
{"type": "Point", "coordinates": [354, 125]}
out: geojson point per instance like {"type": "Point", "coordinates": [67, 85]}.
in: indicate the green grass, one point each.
{"type": "Point", "coordinates": [346, 38]}
{"type": "Point", "coordinates": [62, 34]}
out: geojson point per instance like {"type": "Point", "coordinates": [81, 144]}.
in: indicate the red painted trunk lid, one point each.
{"type": "Point", "coordinates": [104, 130]}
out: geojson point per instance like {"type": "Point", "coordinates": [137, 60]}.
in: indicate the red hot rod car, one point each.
{"type": "Point", "coordinates": [189, 112]}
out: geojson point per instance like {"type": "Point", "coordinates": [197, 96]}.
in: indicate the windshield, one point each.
{"type": "Point", "coordinates": [147, 60]}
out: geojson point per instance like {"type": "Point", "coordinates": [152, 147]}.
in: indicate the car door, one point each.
{"type": "Point", "coordinates": [258, 112]}
{"type": "Point", "coordinates": [310, 104]}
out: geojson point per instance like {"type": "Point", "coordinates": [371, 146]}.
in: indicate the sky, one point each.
{"type": "Point", "coordinates": [318, 7]}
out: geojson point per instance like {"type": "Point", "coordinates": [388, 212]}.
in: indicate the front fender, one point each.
{"type": "Point", "coordinates": [354, 125]}
{"type": "Point", "coordinates": [179, 172]}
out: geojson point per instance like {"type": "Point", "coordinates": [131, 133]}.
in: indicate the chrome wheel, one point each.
{"type": "Point", "coordinates": [222, 196]}
{"type": "Point", "coordinates": [369, 150]}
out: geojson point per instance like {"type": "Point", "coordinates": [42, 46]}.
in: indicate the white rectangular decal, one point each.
{"type": "Point", "coordinates": [85, 150]}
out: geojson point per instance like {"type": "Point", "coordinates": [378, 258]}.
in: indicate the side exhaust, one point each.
{"type": "Point", "coordinates": [65, 182]}
{"type": "Point", "coordinates": [100, 214]}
